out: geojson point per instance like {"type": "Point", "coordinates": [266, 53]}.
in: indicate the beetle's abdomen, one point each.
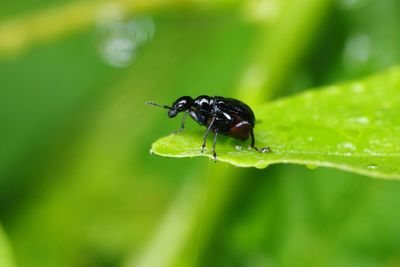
{"type": "Point", "coordinates": [240, 130]}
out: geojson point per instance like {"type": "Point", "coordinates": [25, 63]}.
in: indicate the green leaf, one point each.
{"type": "Point", "coordinates": [353, 126]}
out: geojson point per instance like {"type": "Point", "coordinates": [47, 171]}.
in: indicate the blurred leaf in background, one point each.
{"type": "Point", "coordinates": [6, 257]}
{"type": "Point", "coordinates": [78, 186]}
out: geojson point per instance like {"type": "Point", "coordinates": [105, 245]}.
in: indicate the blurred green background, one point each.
{"type": "Point", "coordinates": [78, 186]}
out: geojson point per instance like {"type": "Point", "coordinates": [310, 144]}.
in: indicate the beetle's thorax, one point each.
{"type": "Point", "coordinates": [202, 109]}
{"type": "Point", "coordinates": [203, 101]}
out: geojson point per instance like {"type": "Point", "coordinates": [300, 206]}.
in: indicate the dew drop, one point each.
{"type": "Point", "coordinates": [239, 148]}
{"type": "Point", "coordinates": [388, 145]}
{"type": "Point", "coordinates": [347, 146]}
{"type": "Point", "coordinates": [368, 151]}
{"type": "Point", "coordinates": [310, 139]}
{"type": "Point", "coordinates": [362, 120]}
{"type": "Point", "coordinates": [375, 142]}
{"type": "Point", "coordinates": [311, 166]}
{"type": "Point", "coordinates": [372, 166]}
{"type": "Point", "coordinates": [262, 164]}
{"type": "Point", "coordinates": [151, 152]}
{"type": "Point", "coordinates": [266, 149]}
{"type": "Point", "coordinates": [118, 38]}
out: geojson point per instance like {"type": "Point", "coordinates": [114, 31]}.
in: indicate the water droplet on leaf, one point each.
{"type": "Point", "coordinates": [357, 120]}
{"type": "Point", "coordinates": [372, 166]}
{"type": "Point", "coordinates": [362, 120]}
{"type": "Point", "coordinates": [262, 164]}
{"type": "Point", "coordinates": [311, 166]}
{"type": "Point", "coordinates": [347, 146]}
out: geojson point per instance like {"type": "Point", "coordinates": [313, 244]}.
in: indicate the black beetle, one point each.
{"type": "Point", "coordinates": [220, 115]}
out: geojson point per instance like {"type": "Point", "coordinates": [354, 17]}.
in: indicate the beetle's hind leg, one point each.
{"type": "Point", "coordinates": [253, 142]}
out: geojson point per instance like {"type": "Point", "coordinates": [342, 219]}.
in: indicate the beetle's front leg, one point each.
{"type": "Point", "coordinates": [182, 123]}
{"type": "Point", "coordinates": [206, 134]}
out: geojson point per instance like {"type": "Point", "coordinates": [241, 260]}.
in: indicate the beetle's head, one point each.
{"type": "Point", "coordinates": [181, 104]}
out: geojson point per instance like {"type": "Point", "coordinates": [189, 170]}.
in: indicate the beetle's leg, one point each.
{"type": "Point", "coordinates": [253, 142]}
{"type": "Point", "coordinates": [182, 123]}
{"type": "Point", "coordinates": [213, 146]}
{"type": "Point", "coordinates": [206, 134]}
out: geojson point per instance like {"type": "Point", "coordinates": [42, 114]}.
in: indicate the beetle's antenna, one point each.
{"type": "Point", "coordinates": [157, 105]}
